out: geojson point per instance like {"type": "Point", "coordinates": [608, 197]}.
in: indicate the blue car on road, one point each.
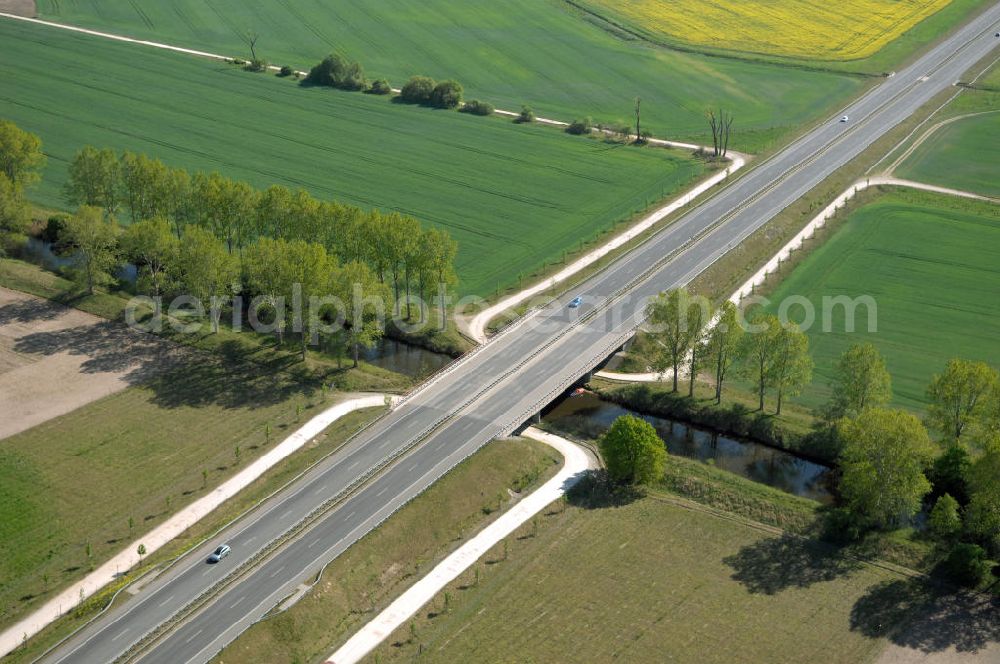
{"type": "Point", "coordinates": [577, 301]}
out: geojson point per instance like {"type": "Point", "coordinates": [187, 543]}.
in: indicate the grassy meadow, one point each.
{"type": "Point", "coordinates": [663, 583]}
{"type": "Point", "coordinates": [962, 154]}
{"type": "Point", "coordinates": [804, 29]}
{"type": "Point", "coordinates": [930, 263]}
{"type": "Point", "coordinates": [562, 61]}
{"type": "Point", "coordinates": [512, 196]}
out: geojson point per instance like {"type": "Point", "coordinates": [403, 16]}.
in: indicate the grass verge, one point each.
{"type": "Point", "coordinates": [631, 582]}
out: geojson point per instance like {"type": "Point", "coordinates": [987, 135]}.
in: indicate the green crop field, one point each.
{"type": "Point", "coordinates": [646, 582]}
{"type": "Point", "coordinates": [545, 53]}
{"type": "Point", "coordinates": [513, 196]}
{"type": "Point", "coordinates": [962, 154]}
{"type": "Point", "coordinates": [930, 264]}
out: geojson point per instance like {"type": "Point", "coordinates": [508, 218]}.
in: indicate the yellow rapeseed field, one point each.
{"type": "Point", "coordinates": [810, 29]}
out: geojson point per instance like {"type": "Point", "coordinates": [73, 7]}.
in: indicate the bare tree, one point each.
{"type": "Point", "coordinates": [251, 37]}
{"type": "Point", "coordinates": [727, 126]}
{"type": "Point", "coordinates": [721, 126]}
{"type": "Point", "coordinates": [713, 122]}
{"type": "Point", "coordinates": [638, 128]}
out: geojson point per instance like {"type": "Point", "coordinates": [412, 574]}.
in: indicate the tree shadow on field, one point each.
{"type": "Point", "coordinates": [108, 347]}
{"type": "Point", "coordinates": [29, 311]}
{"type": "Point", "coordinates": [775, 564]}
{"type": "Point", "coordinates": [210, 381]}
{"type": "Point", "coordinates": [595, 490]}
{"type": "Point", "coordinates": [925, 616]}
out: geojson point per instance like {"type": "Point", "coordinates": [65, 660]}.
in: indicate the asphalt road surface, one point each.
{"type": "Point", "coordinates": [497, 388]}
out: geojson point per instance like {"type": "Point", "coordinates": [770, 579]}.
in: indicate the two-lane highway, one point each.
{"type": "Point", "coordinates": [499, 386]}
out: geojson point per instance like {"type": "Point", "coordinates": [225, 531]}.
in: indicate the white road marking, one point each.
{"type": "Point", "coordinates": [120, 634]}
{"type": "Point", "coordinates": [314, 542]}
{"type": "Point", "coordinates": [350, 515]}
{"type": "Point", "coordinates": [288, 513]}
{"type": "Point", "coordinates": [233, 605]}
{"type": "Point", "coordinates": [166, 600]}
{"type": "Point", "coordinates": [413, 467]}
{"type": "Point", "coordinates": [384, 489]}
{"type": "Point", "coordinates": [353, 465]}
{"type": "Point", "coordinates": [191, 638]}
{"type": "Point", "coordinates": [277, 571]}
{"type": "Point", "coordinates": [320, 490]}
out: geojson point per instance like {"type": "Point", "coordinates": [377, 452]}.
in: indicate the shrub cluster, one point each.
{"type": "Point", "coordinates": [424, 90]}
{"type": "Point", "coordinates": [380, 87]}
{"type": "Point", "coordinates": [257, 65]}
{"type": "Point", "coordinates": [527, 115]}
{"type": "Point", "coordinates": [336, 71]}
{"type": "Point", "coordinates": [476, 107]}
{"type": "Point", "coordinates": [581, 126]}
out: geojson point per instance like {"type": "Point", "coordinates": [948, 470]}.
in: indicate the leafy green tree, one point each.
{"type": "Point", "coordinates": [983, 512]}
{"type": "Point", "coordinates": [402, 236]}
{"type": "Point", "coordinates": [15, 214]}
{"type": "Point", "coordinates": [700, 316]}
{"type": "Point", "coordinates": [441, 252]}
{"type": "Point", "coordinates": [950, 472]}
{"type": "Point", "coordinates": [960, 396]}
{"type": "Point", "coordinates": [860, 380]}
{"type": "Point", "coordinates": [338, 72]}
{"type": "Point", "coordinates": [205, 270]}
{"type": "Point", "coordinates": [145, 186]}
{"type": "Point", "coordinates": [365, 297]}
{"type": "Point", "coordinates": [882, 461]}
{"type": "Point", "coordinates": [311, 271]}
{"type": "Point", "coordinates": [226, 207]}
{"type": "Point", "coordinates": [21, 157]}
{"type": "Point", "coordinates": [273, 211]}
{"type": "Point", "coordinates": [966, 565]}
{"type": "Point", "coordinates": [152, 246]}
{"type": "Point", "coordinates": [95, 238]}
{"type": "Point", "coordinates": [415, 261]}
{"type": "Point", "coordinates": [792, 366]}
{"type": "Point", "coordinates": [447, 94]}
{"type": "Point", "coordinates": [676, 322]}
{"type": "Point", "coordinates": [632, 451]}
{"type": "Point", "coordinates": [418, 90]}
{"type": "Point", "coordinates": [723, 344]}
{"type": "Point", "coordinates": [758, 352]}
{"type": "Point", "coordinates": [94, 179]}
{"type": "Point", "coordinates": [945, 521]}
{"type": "Point", "coordinates": [266, 273]}
{"type": "Point", "coordinates": [525, 116]}
{"type": "Point", "coordinates": [380, 87]}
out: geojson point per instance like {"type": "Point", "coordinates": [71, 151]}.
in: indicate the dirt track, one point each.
{"type": "Point", "coordinates": [54, 359]}
{"type": "Point", "coordinates": [19, 7]}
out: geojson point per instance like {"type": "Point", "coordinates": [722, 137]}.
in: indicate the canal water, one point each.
{"type": "Point", "coordinates": [585, 415]}
{"type": "Point", "coordinates": [404, 358]}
